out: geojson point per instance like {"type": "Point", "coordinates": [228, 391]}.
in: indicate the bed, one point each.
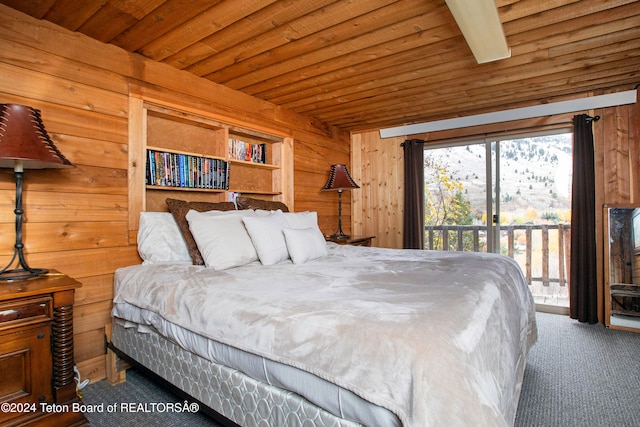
{"type": "Point", "coordinates": [298, 331]}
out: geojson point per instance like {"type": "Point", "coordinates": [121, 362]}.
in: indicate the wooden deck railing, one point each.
{"type": "Point", "coordinates": [473, 238]}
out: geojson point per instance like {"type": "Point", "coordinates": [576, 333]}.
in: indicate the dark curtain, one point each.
{"type": "Point", "coordinates": [413, 221]}
{"type": "Point", "coordinates": [583, 290]}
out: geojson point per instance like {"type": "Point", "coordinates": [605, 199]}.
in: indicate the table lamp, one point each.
{"type": "Point", "coordinates": [24, 144]}
{"type": "Point", "coordinates": [339, 179]}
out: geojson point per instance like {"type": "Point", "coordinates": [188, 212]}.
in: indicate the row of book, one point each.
{"type": "Point", "coordinates": [241, 150]}
{"type": "Point", "coordinates": [187, 171]}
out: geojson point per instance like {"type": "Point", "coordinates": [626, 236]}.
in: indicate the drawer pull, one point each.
{"type": "Point", "coordinates": [40, 335]}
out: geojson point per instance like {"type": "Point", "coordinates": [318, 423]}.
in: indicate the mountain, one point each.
{"type": "Point", "coordinates": [535, 176]}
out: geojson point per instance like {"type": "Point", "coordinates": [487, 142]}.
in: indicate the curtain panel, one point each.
{"type": "Point", "coordinates": [413, 220]}
{"type": "Point", "coordinates": [583, 294]}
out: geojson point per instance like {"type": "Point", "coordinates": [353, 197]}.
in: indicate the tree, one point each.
{"type": "Point", "coordinates": [532, 214]}
{"type": "Point", "coordinates": [445, 202]}
{"type": "Point", "coordinates": [460, 210]}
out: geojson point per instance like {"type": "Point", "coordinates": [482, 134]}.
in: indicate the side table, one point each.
{"type": "Point", "coordinates": [352, 240]}
{"type": "Point", "coordinates": [37, 385]}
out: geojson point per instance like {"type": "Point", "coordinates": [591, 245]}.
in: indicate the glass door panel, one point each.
{"type": "Point", "coordinates": [455, 198]}
{"type": "Point", "coordinates": [509, 196]}
{"type": "Point", "coordinates": [533, 193]}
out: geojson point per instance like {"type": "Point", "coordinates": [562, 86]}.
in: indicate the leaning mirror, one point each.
{"type": "Point", "coordinates": [622, 253]}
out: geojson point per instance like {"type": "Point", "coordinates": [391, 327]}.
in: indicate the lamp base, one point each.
{"type": "Point", "coordinates": [25, 272]}
{"type": "Point", "coordinates": [21, 274]}
{"type": "Point", "coordinates": [339, 235]}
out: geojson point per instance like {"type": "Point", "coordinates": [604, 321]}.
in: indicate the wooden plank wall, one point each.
{"type": "Point", "coordinates": [377, 206]}
{"type": "Point", "coordinates": [617, 155]}
{"type": "Point", "coordinates": [617, 149]}
{"type": "Point", "coordinates": [77, 219]}
{"type": "Point", "coordinates": [378, 162]}
{"type": "Point", "coordinates": [313, 160]}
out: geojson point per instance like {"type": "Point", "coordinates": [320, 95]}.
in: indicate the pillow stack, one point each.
{"type": "Point", "coordinates": [280, 236]}
{"type": "Point", "coordinates": [214, 235]}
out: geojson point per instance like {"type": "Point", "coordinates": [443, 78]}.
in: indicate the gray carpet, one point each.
{"type": "Point", "coordinates": [138, 389]}
{"type": "Point", "coordinates": [577, 376]}
{"type": "Point", "coordinates": [581, 375]}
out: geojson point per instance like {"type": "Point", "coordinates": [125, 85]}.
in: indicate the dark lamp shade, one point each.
{"type": "Point", "coordinates": [339, 179]}
{"type": "Point", "coordinates": [24, 138]}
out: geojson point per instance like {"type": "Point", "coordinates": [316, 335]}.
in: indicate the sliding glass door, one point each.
{"type": "Point", "coordinates": [508, 196]}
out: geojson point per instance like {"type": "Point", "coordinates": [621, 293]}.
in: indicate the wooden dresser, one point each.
{"type": "Point", "coordinates": [37, 386]}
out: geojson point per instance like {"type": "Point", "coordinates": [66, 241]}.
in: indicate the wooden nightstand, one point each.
{"type": "Point", "coordinates": [352, 240]}
{"type": "Point", "coordinates": [37, 386]}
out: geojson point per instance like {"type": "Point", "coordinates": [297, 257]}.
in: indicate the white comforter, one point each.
{"type": "Point", "coordinates": [437, 338]}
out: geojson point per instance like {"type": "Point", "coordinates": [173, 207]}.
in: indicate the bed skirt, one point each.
{"type": "Point", "coordinates": [228, 392]}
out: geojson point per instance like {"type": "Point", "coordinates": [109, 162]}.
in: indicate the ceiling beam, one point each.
{"type": "Point", "coordinates": [480, 24]}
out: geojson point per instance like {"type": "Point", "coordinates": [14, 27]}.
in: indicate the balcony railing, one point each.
{"type": "Point", "coordinates": [541, 250]}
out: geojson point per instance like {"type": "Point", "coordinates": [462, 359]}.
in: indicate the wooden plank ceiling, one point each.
{"type": "Point", "coordinates": [369, 64]}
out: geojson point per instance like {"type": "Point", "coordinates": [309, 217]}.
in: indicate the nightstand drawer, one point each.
{"type": "Point", "coordinates": [25, 311]}
{"type": "Point", "coordinates": [363, 241]}
{"type": "Point", "coordinates": [351, 240]}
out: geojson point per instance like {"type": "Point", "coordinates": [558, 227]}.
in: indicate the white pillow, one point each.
{"type": "Point", "coordinates": [262, 212]}
{"type": "Point", "coordinates": [305, 244]}
{"type": "Point", "coordinates": [221, 213]}
{"type": "Point", "coordinates": [266, 235]}
{"type": "Point", "coordinates": [222, 240]}
{"type": "Point", "coordinates": [299, 220]}
{"type": "Point", "coordinates": [160, 239]}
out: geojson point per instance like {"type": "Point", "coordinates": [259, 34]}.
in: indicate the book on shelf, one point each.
{"type": "Point", "coordinates": [165, 169]}
{"type": "Point", "coordinates": [245, 151]}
